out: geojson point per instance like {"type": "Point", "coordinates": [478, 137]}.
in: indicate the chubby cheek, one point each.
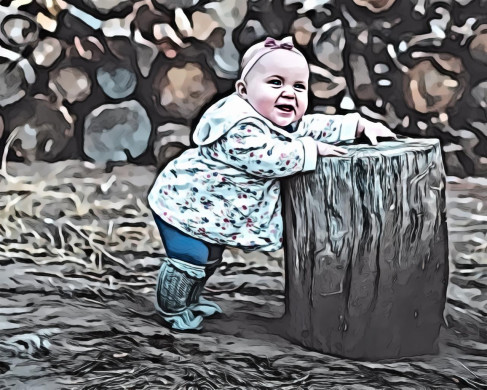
{"type": "Point", "coordinates": [300, 113]}
{"type": "Point", "coordinates": [303, 105]}
{"type": "Point", "coordinates": [264, 107]}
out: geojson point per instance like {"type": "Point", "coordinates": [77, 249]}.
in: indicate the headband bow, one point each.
{"type": "Point", "coordinates": [272, 44]}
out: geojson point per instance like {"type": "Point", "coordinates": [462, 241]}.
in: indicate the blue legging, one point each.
{"type": "Point", "coordinates": [180, 246]}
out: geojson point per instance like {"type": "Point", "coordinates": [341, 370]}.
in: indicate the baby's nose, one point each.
{"type": "Point", "coordinates": [288, 91]}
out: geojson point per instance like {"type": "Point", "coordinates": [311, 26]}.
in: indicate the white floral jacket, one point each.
{"type": "Point", "coordinates": [226, 190]}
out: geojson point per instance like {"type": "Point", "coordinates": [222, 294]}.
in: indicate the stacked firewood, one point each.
{"type": "Point", "coordinates": [127, 80]}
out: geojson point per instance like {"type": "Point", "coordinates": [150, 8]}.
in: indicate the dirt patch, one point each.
{"type": "Point", "coordinates": [80, 255]}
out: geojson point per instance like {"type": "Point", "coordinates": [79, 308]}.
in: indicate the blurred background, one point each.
{"type": "Point", "coordinates": [115, 81]}
{"type": "Point", "coordinates": [97, 95]}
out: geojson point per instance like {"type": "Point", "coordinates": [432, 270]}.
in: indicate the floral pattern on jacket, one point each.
{"type": "Point", "coordinates": [226, 190]}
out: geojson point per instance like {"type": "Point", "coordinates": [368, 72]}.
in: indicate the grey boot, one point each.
{"type": "Point", "coordinates": [197, 301]}
{"type": "Point", "coordinates": [178, 287]}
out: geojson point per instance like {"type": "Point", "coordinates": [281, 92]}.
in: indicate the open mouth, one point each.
{"type": "Point", "coordinates": [285, 107]}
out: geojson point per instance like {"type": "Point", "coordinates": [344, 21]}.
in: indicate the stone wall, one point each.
{"type": "Point", "coordinates": [126, 80]}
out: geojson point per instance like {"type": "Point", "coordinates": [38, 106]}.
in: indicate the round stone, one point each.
{"type": "Point", "coordinates": [429, 90]}
{"type": "Point", "coordinates": [116, 82]}
{"type": "Point", "coordinates": [113, 132]}
{"type": "Point", "coordinates": [228, 14]}
{"type": "Point", "coordinates": [19, 29]}
{"type": "Point", "coordinates": [328, 45]}
{"type": "Point", "coordinates": [72, 84]}
{"type": "Point", "coordinates": [44, 134]}
{"type": "Point", "coordinates": [203, 25]}
{"type": "Point", "coordinates": [47, 52]}
{"type": "Point", "coordinates": [302, 29]}
{"type": "Point", "coordinates": [12, 84]}
{"type": "Point", "coordinates": [183, 91]}
{"type": "Point", "coordinates": [478, 48]}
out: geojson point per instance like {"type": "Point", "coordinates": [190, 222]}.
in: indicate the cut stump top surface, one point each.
{"type": "Point", "coordinates": [389, 148]}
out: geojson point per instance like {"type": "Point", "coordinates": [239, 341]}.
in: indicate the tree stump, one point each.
{"type": "Point", "coordinates": [366, 251]}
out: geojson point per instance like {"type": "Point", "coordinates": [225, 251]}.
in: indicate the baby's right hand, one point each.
{"type": "Point", "coordinates": [325, 149]}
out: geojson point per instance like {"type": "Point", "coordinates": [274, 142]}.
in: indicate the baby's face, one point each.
{"type": "Point", "coordinates": [277, 87]}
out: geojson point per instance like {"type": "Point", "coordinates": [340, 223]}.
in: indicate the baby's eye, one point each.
{"type": "Point", "coordinates": [274, 82]}
{"type": "Point", "coordinates": [300, 86]}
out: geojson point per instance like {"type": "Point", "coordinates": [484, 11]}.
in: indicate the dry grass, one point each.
{"type": "Point", "coordinates": [79, 253]}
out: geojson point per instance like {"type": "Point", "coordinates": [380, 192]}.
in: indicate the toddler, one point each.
{"type": "Point", "coordinates": [226, 190]}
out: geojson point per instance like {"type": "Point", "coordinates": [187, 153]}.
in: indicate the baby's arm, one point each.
{"type": "Point", "coordinates": [329, 128]}
{"type": "Point", "coordinates": [249, 146]}
{"type": "Point", "coordinates": [334, 128]}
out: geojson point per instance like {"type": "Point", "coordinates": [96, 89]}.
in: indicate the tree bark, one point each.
{"type": "Point", "coordinates": [366, 251]}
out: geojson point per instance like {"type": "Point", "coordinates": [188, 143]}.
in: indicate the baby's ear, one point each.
{"type": "Point", "coordinates": [241, 89]}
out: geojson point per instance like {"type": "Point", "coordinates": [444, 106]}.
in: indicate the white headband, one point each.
{"type": "Point", "coordinates": [267, 46]}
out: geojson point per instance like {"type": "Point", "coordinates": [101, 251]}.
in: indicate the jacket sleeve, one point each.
{"type": "Point", "coordinates": [328, 128]}
{"type": "Point", "coordinates": [251, 147]}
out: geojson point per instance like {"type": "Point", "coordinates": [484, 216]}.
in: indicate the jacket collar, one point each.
{"type": "Point", "coordinates": [225, 113]}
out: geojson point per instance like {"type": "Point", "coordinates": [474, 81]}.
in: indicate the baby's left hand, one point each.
{"type": "Point", "coordinates": [372, 130]}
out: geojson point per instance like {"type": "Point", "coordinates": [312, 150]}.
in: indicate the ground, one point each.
{"type": "Point", "coordinates": [80, 255]}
